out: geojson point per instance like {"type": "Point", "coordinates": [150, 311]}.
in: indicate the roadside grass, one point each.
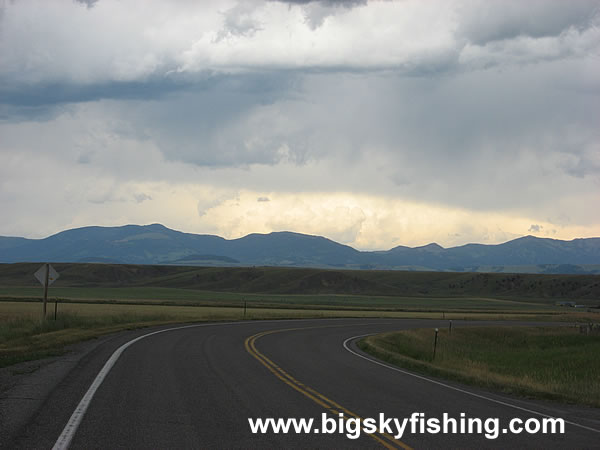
{"type": "Point", "coordinates": [556, 363]}
{"type": "Point", "coordinates": [25, 338]}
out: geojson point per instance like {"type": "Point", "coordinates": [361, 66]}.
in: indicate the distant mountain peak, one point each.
{"type": "Point", "coordinates": [435, 247]}
{"type": "Point", "coordinates": [157, 226]}
{"type": "Point", "coordinates": [529, 237]}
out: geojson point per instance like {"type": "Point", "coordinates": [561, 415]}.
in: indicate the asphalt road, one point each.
{"type": "Point", "coordinates": [196, 388]}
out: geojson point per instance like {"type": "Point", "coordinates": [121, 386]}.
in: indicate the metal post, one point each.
{"type": "Point", "coordinates": [244, 309]}
{"type": "Point", "coordinates": [435, 342]}
{"type": "Point", "coordinates": [450, 328]}
{"type": "Point", "coordinates": [55, 307]}
{"type": "Point", "coordinates": [46, 289]}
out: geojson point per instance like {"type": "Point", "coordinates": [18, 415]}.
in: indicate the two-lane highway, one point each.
{"type": "Point", "coordinates": [196, 387]}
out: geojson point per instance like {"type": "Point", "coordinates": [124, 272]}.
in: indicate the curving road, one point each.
{"type": "Point", "coordinates": [196, 387]}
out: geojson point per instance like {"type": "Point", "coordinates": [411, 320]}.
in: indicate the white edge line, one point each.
{"type": "Point", "coordinates": [455, 388]}
{"type": "Point", "coordinates": [65, 438]}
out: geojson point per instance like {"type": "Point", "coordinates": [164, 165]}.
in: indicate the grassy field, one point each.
{"type": "Point", "coordinates": [100, 298]}
{"type": "Point", "coordinates": [178, 296]}
{"type": "Point", "coordinates": [23, 336]}
{"type": "Point", "coordinates": [551, 363]}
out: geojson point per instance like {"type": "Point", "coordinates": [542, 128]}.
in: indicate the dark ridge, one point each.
{"type": "Point", "coordinates": [157, 244]}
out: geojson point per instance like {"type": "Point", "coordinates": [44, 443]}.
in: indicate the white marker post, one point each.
{"type": "Point", "coordinates": [46, 275]}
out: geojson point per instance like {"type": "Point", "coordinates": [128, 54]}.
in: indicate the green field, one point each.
{"type": "Point", "coordinates": [558, 363]}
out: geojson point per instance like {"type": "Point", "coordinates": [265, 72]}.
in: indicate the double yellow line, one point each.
{"type": "Point", "coordinates": [333, 407]}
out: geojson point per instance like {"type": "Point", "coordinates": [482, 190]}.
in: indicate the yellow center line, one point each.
{"type": "Point", "coordinates": [333, 407]}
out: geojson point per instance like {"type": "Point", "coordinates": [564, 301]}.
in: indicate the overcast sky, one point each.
{"type": "Point", "coordinates": [373, 123]}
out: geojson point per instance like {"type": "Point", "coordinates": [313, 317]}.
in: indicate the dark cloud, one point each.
{"type": "Point", "coordinates": [346, 3]}
{"type": "Point", "coordinates": [23, 100]}
{"type": "Point", "coordinates": [230, 124]}
{"type": "Point", "coordinates": [45, 101]}
{"type": "Point", "coordinates": [535, 228]}
{"type": "Point", "coordinates": [238, 21]}
{"type": "Point", "coordinates": [316, 11]}
{"type": "Point", "coordinates": [582, 162]}
{"type": "Point", "coordinates": [263, 199]}
{"type": "Point", "coordinates": [85, 158]}
{"type": "Point", "coordinates": [15, 94]}
{"type": "Point", "coordinates": [142, 197]}
{"type": "Point", "coordinates": [487, 21]}
{"type": "Point", "coordinates": [18, 113]}
{"type": "Point", "coordinates": [87, 3]}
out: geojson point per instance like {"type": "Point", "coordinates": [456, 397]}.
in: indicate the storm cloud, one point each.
{"type": "Point", "coordinates": [481, 115]}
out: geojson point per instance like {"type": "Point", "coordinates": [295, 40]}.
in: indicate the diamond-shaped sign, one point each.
{"type": "Point", "coordinates": [41, 274]}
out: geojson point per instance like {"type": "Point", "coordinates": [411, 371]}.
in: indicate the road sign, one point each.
{"type": "Point", "coordinates": [46, 275]}
{"type": "Point", "coordinates": [41, 274]}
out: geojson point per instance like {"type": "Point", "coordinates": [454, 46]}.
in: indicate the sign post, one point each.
{"type": "Point", "coordinates": [46, 275]}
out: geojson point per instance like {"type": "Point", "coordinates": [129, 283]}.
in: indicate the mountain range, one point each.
{"type": "Point", "coordinates": [157, 244]}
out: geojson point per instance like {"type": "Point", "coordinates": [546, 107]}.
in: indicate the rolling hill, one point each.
{"type": "Point", "coordinates": [156, 244]}
{"type": "Point", "coordinates": [307, 281]}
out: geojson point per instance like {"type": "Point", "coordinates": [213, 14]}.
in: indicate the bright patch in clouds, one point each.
{"type": "Point", "coordinates": [372, 123]}
{"type": "Point", "coordinates": [368, 222]}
